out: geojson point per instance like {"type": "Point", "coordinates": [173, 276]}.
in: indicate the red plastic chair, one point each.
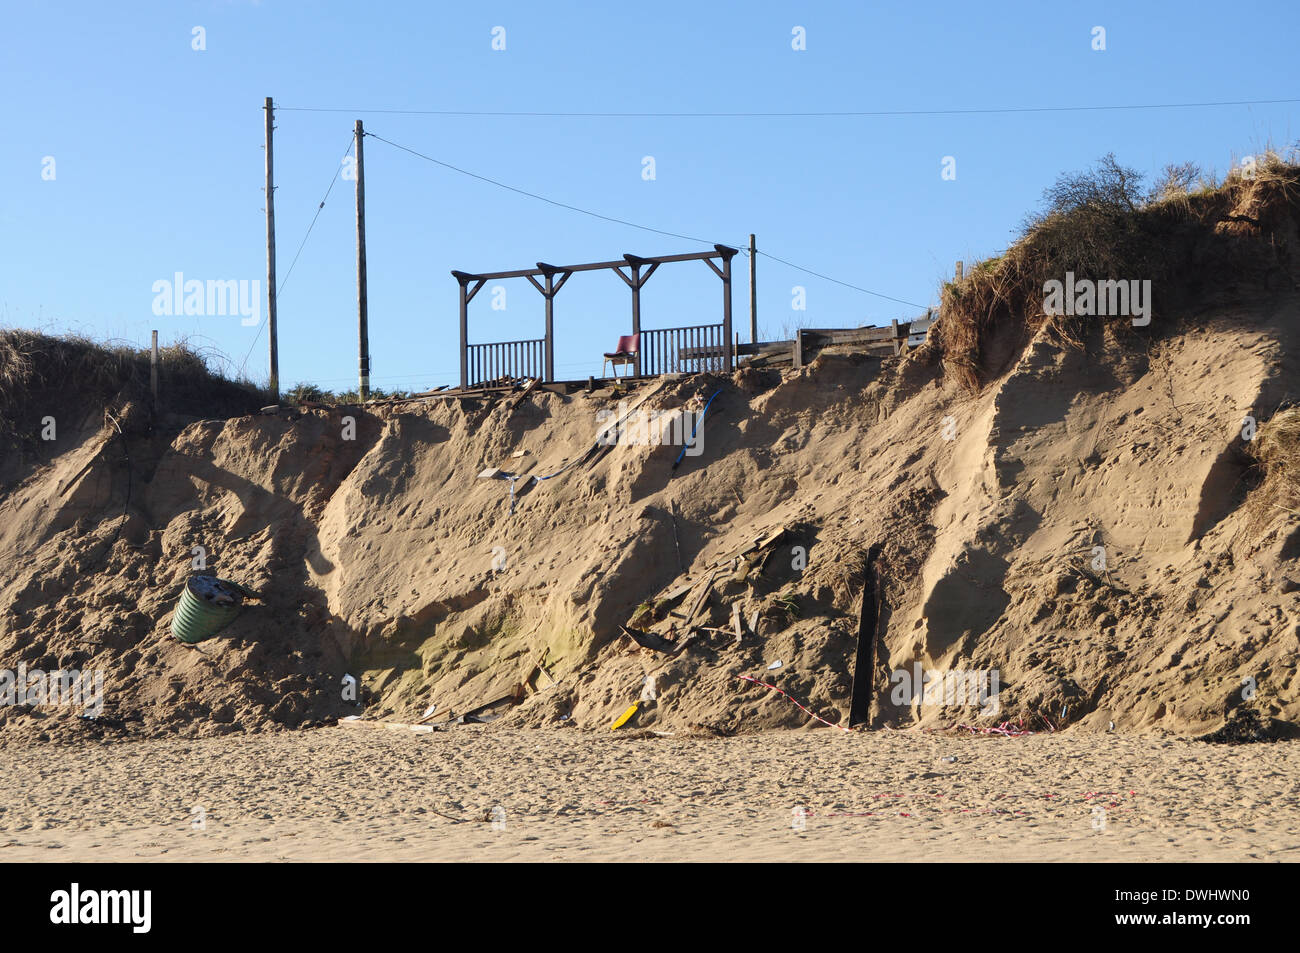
{"type": "Point", "coordinates": [629, 346]}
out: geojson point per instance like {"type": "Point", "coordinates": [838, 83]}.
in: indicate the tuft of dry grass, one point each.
{"type": "Point", "coordinates": [1276, 449]}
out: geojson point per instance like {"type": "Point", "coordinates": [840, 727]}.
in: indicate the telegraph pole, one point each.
{"type": "Point", "coordinates": [363, 327]}
{"type": "Point", "coordinates": [753, 294]}
{"type": "Point", "coordinates": [273, 383]}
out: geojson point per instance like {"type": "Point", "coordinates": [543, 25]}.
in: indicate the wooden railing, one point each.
{"type": "Point", "coordinates": [689, 350]}
{"type": "Point", "coordinates": [512, 360]}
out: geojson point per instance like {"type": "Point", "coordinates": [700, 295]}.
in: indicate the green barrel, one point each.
{"type": "Point", "coordinates": [197, 618]}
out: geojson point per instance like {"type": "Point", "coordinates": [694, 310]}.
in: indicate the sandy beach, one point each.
{"type": "Point", "coordinates": [371, 794]}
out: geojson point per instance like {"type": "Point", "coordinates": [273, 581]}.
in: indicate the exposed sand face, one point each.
{"type": "Point", "coordinates": [1085, 534]}
{"type": "Point", "coordinates": [375, 794]}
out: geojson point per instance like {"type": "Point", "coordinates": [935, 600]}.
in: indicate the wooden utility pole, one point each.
{"type": "Point", "coordinates": [273, 383]}
{"type": "Point", "coordinates": [753, 294]}
{"type": "Point", "coordinates": [363, 327]}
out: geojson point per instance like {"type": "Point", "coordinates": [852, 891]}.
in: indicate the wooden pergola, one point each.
{"type": "Point", "coordinates": [536, 357]}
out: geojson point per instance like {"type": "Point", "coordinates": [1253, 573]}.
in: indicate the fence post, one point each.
{"type": "Point", "coordinates": [960, 270]}
{"type": "Point", "coordinates": [153, 370]}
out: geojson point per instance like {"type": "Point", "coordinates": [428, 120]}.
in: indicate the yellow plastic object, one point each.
{"type": "Point", "coordinates": [621, 720]}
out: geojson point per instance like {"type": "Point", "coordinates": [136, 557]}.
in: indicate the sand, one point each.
{"type": "Point", "coordinates": [366, 794]}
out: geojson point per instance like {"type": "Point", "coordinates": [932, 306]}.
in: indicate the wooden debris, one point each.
{"type": "Point", "coordinates": [648, 640]}
{"type": "Point", "coordinates": [758, 544]}
{"type": "Point", "coordinates": [532, 386]}
{"type": "Point", "coordinates": [672, 512]}
{"type": "Point", "coordinates": [387, 725]}
{"type": "Point", "coordinates": [705, 590]}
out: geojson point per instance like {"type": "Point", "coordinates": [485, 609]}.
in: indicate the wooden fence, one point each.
{"type": "Point", "coordinates": [513, 360]}
{"type": "Point", "coordinates": [694, 349]}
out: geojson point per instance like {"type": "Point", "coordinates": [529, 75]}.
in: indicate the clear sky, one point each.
{"type": "Point", "coordinates": [158, 164]}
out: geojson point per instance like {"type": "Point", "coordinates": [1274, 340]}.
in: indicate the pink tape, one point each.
{"type": "Point", "coordinates": [793, 699]}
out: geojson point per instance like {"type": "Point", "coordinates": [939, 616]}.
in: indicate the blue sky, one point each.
{"type": "Point", "coordinates": [158, 162]}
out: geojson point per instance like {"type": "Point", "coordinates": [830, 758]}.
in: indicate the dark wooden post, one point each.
{"type": "Point", "coordinates": [550, 326]}
{"type": "Point", "coordinates": [464, 337]}
{"type": "Point", "coordinates": [636, 316]}
{"type": "Point", "coordinates": [153, 371]}
{"type": "Point", "coordinates": [862, 691]}
{"type": "Point", "coordinates": [724, 252]}
{"type": "Point", "coordinates": [726, 310]}
{"type": "Point", "coordinates": [466, 296]}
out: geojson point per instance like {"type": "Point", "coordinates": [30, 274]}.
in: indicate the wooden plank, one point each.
{"type": "Point", "coordinates": [532, 386]}
{"type": "Point", "coordinates": [678, 591]}
{"type": "Point", "coordinates": [387, 725]}
{"type": "Point", "coordinates": [705, 591]}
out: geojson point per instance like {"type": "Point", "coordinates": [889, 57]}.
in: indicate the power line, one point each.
{"type": "Point", "coordinates": [854, 114]}
{"type": "Point", "coordinates": [540, 198]}
{"type": "Point", "coordinates": [301, 245]}
{"type": "Point", "coordinates": [837, 281]}
{"type": "Point", "coordinates": [620, 221]}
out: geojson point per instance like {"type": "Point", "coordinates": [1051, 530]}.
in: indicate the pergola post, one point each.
{"type": "Point", "coordinates": [549, 293]}
{"type": "Point", "coordinates": [634, 265]}
{"type": "Point", "coordinates": [464, 338]}
{"type": "Point", "coordinates": [466, 296]}
{"type": "Point", "coordinates": [727, 343]}
{"type": "Point", "coordinates": [636, 317]}
{"type": "Point", "coordinates": [725, 252]}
